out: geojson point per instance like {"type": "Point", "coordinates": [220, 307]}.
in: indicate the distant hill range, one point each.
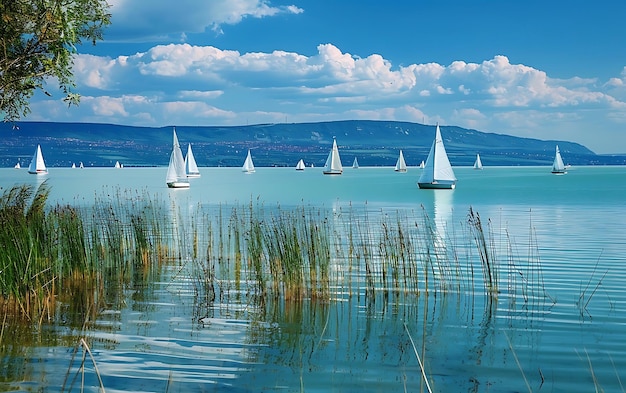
{"type": "Point", "coordinates": [374, 143]}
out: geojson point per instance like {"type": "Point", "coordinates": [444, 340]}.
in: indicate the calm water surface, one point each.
{"type": "Point", "coordinates": [562, 234]}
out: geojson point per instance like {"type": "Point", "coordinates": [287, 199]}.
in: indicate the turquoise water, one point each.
{"type": "Point", "coordinates": [564, 232]}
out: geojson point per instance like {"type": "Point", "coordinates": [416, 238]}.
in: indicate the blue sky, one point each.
{"type": "Point", "coordinates": [540, 69]}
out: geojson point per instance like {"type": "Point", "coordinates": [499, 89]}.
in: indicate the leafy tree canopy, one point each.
{"type": "Point", "coordinates": [38, 39]}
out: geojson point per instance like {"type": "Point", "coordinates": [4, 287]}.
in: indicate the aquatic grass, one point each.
{"type": "Point", "coordinates": [486, 253]}
{"type": "Point", "coordinates": [203, 269]}
{"type": "Point", "coordinates": [26, 273]}
{"type": "Point", "coordinates": [583, 298]}
{"type": "Point", "coordinates": [256, 255]}
{"type": "Point", "coordinates": [81, 368]}
{"type": "Point", "coordinates": [419, 359]}
{"type": "Point", "coordinates": [519, 366]}
{"type": "Point", "coordinates": [48, 248]}
{"type": "Point", "coordinates": [366, 247]}
{"type": "Point", "coordinates": [300, 252]}
{"type": "Point", "coordinates": [396, 248]}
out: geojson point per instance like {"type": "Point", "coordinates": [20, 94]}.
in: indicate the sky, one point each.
{"type": "Point", "coordinates": [551, 70]}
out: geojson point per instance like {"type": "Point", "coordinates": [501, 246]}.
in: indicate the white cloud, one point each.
{"type": "Point", "coordinates": [334, 76]}
{"type": "Point", "coordinates": [137, 19]}
{"type": "Point", "coordinates": [195, 94]}
{"type": "Point", "coordinates": [186, 84]}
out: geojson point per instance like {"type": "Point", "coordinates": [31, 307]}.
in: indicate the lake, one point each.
{"type": "Point", "coordinates": [556, 322]}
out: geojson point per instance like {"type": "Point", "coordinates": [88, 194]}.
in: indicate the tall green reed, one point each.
{"type": "Point", "coordinates": [293, 253]}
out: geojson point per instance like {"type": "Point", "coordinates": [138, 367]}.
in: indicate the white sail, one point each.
{"type": "Point", "coordinates": [422, 165]}
{"type": "Point", "coordinates": [355, 163]}
{"type": "Point", "coordinates": [333, 162]}
{"type": "Point", "coordinates": [18, 166]}
{"type": "Point", "coordinates": [81, 166]}
{"type": "Point", "coordinates": [400, 164]}
{"type": "Point", "coordinates": [176, 176]}
{"type": "Point", "coordinates": [73, 165]}
{"type": "Point", "coordinates": [437, 171]}
{"type": "Point", "coordinates": [300, 166]}
{"type": "Point", "coordinates": [191, 168]}
{"type": "Point", "coordinates": [37, 165]}
{"type": "Point", "coordinates": [117, 165]}
{"type": "Point", "coordinates": [558, 166]}
{"type": "Point", "coordinates": [478, 163]}
{"type": "Point", "coordinates": [248, 165]}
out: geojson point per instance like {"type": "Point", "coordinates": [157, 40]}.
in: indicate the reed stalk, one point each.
{"type": "Point", "coordinates": [81, 369]}
{"type": "Point", "coordinates": [485, 252]}
{"type": "Point", "coordinates": [419, 360]}
{"type": "Point", "coordinates": [519, 366]}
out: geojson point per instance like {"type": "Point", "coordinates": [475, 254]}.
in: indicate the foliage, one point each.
{"type": "Point", "coordinates": [37, 41]}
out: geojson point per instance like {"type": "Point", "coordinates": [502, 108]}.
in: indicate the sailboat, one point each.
{"type": "Point", "coordinates": [422, 164]}
{"type": "Point", "coordinates": [557, 166]}
{"type": "Point", "coordinates": [176, 176]}
{"type": "Point", "coordinates": [400, 164]}
{"type": "Point", "coordinates": [17, 166]}
{"type": "Point", "coordinates": [333, 162]}
{"type": "Point", "coordinates": [191, 168]}
{"type": "Point", "coordinates": [478, 163]}
{"type": "Point", "coordinates": [437, 172]}
{"type": "Point", "coordinates": [81, 166]}
{"type": "Point", "coordinates": [355, 163]}
{"type": "Point", "coordinates": [73, 165]}
{"type": "Point", "coordinates": [37, 165]}
{"type": "Point", "coordinates": [300, 165]}
{"type": "Point", "coordinates": [248, 165]}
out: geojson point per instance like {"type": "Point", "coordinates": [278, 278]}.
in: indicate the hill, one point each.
{"type": "Point", "coordinates": [375, 143]}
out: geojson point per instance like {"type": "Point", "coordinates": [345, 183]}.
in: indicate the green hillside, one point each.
{"type": "Point", "coordinates": [375, 143]}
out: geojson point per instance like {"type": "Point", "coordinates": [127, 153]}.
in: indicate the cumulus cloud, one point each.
{"type": "Point", "coordinates": [138, 20]}
{"type": "Point", "coordinates": [617, 88]}
{"type": "Point", "coordinates": [187, 84]}
{"type": "Point", "coordinates": [333, 75]}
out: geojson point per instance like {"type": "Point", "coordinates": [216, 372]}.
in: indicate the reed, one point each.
{"type": "Point", "coordinates": [81, 368]}
{"type": "Point", "coordinates": [486, 253]}
{"type": "Point", "coordinates": [203, 269]}
{"type": "Point", "coordinates": [295, 253]}
{"type": "Point", "coordinates": [584, 298]}
{"type": "Point", "coordinates": [29, 263]}
{"type": "Point", "coordinates": [256, 255]}
{"type": "Point", "coordinates": [419, 359]}
{"type": "Point", "coordinates": [519, 366]}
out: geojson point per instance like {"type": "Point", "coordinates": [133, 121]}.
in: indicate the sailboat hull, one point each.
{"type": "Point", "coordinates": [38, 172]}
{"type": "Point", "coordinates": [178, 184]}
{"type": "Point", "coordinates": [332, 172]}
{"type": "Point", "coordinates": [438, 185]}
{"type": "Point", "coordinates": [193, 175]}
